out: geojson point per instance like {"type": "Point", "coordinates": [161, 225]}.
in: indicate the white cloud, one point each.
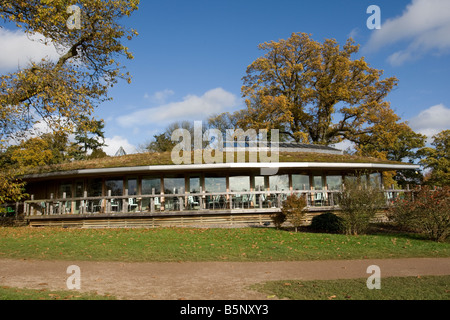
{"type": "Point", "coordinates": [18, 49]}
{"type": "Point", "coordinates": [431, 121]}
{"type": "Point", "coordinates": [114, 143]}
{"type": "Point", "coordinates": [424, 26]}
{"type": "Point", "coordinates": [160, 97]}
{"type": "Point", "coordinates": [192, 107]}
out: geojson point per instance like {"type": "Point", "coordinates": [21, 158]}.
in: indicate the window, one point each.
{"type": "Point", "coordinates": [334, 182]}
{"type": "Point", "coordinates": [194, 185]}
{"type": "Point", "coordinates": [94, 187]}
{"type": "Point", "coordinates": [173, 185]}
{"type": "Point", "coordinates": [317, 182]}
{"type": "Point", "coordinates": [259, 183]}
{"type": "Point", "coordinates": [79, 189]}
{"type": "Point", "coordinates": [375, 179]}
{"type": "Point", "coordinates": [149, 183]}
{"type": "Point", "coordinates": [115, 185]}
{"type": "Point", "coordinates": [132, 186]}
{"type": "Point", "coordinates": [65, 188]}
{"type": "Point", "coordinates": [300, 182]}
{"type": "Point", "coordinates": [279, 183]}
{"type": "Point", "coordinates": [240, 183]}
{"type": "Point", "coordinates": [215, 184]}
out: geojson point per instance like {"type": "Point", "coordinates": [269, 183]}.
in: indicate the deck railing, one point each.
{"type": "Point", "coordinates": [186, 202]}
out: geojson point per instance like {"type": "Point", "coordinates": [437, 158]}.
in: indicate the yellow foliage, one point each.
{"type": "Point", "coordinates": [302, 86]}
{"type": "Point", "coordinates": [60, 92]}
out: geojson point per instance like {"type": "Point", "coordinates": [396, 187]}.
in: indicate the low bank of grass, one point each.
{"type": "Point", "coordinates": [197, 244]}
{"type": "Point", "coordinates": [8, 293]}
{"type": "Point", "coordinates": [392, 288]}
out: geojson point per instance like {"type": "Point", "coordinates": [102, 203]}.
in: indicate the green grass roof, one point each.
{"type": "Point", "coordinates": [153, 159]}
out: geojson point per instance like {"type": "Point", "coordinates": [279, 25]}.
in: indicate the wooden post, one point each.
{"type": "Point", "coordinates": [200, 198]}
{"type": "Point", "coordinates": [180, 200]}
{"type": "Point", "coordinates": [50, 205]}
{"type": "Point", "coordinates": [31, 205]}
{"type": "Point", "coordinates": [62, 205]}
{"type": "Point", "coordinates": [108, 202]}
{"type": "Point", "coordinates": [84, 202]}
{"type": "Point", "coordinates": [260, 200]}
{"type": "Point", "coordinates": [152, 201]}
{"type": "Point", "coordinates": [125, 202]}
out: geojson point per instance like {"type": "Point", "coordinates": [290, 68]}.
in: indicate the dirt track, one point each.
{"type": "Point", "coordinates": [200, 280]}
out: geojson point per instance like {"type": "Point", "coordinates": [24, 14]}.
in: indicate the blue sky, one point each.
{"type": "Point", "coordinates": [190, 57]}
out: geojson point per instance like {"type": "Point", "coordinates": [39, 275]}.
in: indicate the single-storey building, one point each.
{"type": "Point", "coordinates": [149, 190]}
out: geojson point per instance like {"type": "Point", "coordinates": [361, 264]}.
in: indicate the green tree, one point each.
{"type": "Point", "coordinates": [161, 143]}
{"type": "Point", "coordinates": [89, 136]}
{"type": "Point", "coordinates": [437, 159]}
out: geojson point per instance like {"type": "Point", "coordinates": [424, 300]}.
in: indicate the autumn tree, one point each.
{"type": "Point", "coordinates": [60, 92]}
{"type": "Point", "coordinates": [316, 92]}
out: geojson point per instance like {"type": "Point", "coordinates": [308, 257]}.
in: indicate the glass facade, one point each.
{"type": "Point", "coordinates": [334, 182]}
{"type": "Point", "coordinates": [215, 184]}
{"type": "Point", "coordinates": [240, 184]}
{"type": "Point", "coordinates": [173, 185]}
{"type": "Point", "coordinates": [194, 184]}
{"type": "Point", "coordinates": [300, 182]}
{"type": "Point", "coordinates": [317, 182]}
{"type": "Point", "coordinates": [132, 186]}
{"type": "Point", "coordinates": [149, 183]}
{"type": "Point", "coordinates": [279, 182]}
{"type": "Point", "coordinates": [115, 185]}
{"type": "Point", "coordinates": [66, 188]}
{"type": "Point", "coordinates": [94, 187]}
{"type": "Point", "coordinates": [375, 179]}
{"type": "Point", "coordinates": [260, 184]}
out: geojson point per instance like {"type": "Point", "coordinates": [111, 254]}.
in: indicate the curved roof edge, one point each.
{"type": "Point", "coordinates": [215, 166]}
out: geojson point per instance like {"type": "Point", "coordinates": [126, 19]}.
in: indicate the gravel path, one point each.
{"type": "Point", "coordinates": [200, 280]}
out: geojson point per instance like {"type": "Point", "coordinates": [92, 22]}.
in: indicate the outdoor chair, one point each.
{"type": "Point", "coordinates": [192, 203]}
{"type": "Point", "coordinates": [132, 204]}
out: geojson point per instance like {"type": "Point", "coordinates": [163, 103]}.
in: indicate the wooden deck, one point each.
{"type": "Point", "coordinates": [217, 218]}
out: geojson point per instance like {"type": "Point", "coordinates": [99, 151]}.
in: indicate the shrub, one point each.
{"type": "Point", "coordinates": [278, 219]}
{"type": "Point", "coordinates": [327, 222]}
{"type": "Point", "coordinates": [426, 211]}
{"type": "Point", "coordinates": [293, 210]}
{"type": "Point", "coordinates": [359, 204]}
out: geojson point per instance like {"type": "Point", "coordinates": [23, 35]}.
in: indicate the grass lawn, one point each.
{"type": "Point", "coordinates": [221, 244]}
{"type": "Point", "coordinates": [7, 293]}
{"type": "Point", "coordinates": [392, 288]}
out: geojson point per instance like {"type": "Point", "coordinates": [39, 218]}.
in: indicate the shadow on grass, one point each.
{"type": "Point", "coordinates": [379, 229]}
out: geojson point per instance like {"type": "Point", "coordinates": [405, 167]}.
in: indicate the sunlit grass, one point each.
{"type": "Point", "coordinates": [196, 244]}
{"type": "Point", "coordinates": [392, 288]}
{"type": "Point", "coordinates": [8, 293]}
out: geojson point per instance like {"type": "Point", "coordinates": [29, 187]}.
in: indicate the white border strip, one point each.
{"type": "Point", "coordinates": [254, 165]}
